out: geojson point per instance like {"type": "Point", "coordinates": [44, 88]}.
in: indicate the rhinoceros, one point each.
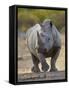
{"type": "Point", "coordinates": [43, 41]}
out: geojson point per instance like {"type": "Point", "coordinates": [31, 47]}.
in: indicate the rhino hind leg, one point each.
{"type": "Point", "coordinates": [53, 61]}
{"type": "Point", "coordinates": [35, 68]}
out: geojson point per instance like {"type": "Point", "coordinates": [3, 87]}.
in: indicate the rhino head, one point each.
{"type": "Point", "coordinates": [45, 38]}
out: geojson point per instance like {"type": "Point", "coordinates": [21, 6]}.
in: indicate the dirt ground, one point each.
{"type": "Point", "coordinates": [25, 60]}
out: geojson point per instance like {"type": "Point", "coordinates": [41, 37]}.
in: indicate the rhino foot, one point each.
{"type": "Point", "coordinates": [34, 69]}
{"type": "Point", "coordinates": [54, 69]}
{"type": "Point", "coordinates": [45, 67]}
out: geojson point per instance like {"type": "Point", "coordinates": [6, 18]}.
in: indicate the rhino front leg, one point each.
{"type": "Point", "coordinates": [35, 68]}
{"type": "Point", "coordinates": [53, 61]}
{"type": "Point", "coordinates": [45, 66]}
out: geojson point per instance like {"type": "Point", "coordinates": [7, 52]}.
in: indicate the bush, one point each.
{"type": "Point", "coordinates": [63, 29]}
{"type": "Point", "coordinates": [29, 17]}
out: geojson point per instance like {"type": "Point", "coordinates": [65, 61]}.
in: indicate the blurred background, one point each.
{"type": "Point", "coordinates": [28, 18]}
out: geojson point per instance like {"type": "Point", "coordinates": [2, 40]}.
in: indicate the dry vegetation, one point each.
{"type": "Point", "coordinates": [29, 17]}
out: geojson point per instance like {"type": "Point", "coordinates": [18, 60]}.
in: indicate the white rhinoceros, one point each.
{"type": "Point", "coordinates": [44, 41]}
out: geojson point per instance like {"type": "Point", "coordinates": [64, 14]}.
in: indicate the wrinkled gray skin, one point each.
{"type": "Point", "coordinates": [48, 45]}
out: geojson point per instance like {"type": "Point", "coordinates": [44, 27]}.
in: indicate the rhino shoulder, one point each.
{"type": "Point", "coordinates": [32, 38]}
